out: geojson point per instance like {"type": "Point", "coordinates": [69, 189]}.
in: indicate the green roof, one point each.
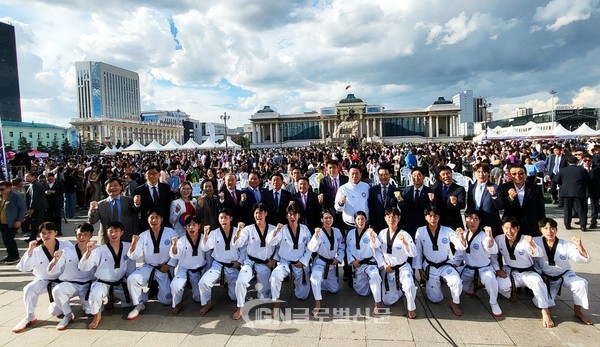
{"type": "Point", "coordinates": [30, 124]}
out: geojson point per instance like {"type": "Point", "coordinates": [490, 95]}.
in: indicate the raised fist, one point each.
{"type": "Point", "coordinates": [94, 205]}
{"type": "Point", "coordinates": [174, 241]}
{"type": "Point", "coordinates": [342, 199]}
{"type": "Point", "coordinates": [221, 196]}
{"type": "Point", "coordinates": [488, 231]}
{"type": "Point", "coordinates": [241, 226]}
{"type": "Point", "coordinates": [320, 197]}
{"type": "Point", "coordinates": [460, 232]}
{"type": "Point", "coordinates": [201, 202]}
{"type": "Point", "coordinates": [317, 230]}
{"type": "Point", "coordinates": [32, 245]}
{"type": "Point", "coordinates": [397, 195]}
{"type": "Point", "coordinates": [453, 200]}
{"type": "Point", "coordinates": [135, 239]}
{"type": "Point", "coordinates": [178, 208]}
{"type": "Point", "coordinates": [58, 254]}
{"type": "Point", "coordinates": [431, 196]}
{"type": "Point", "coordinates": [491, 190]}
{"type": "Point", "coordinates": [90, 246]}
{"type": "Point", "coordinates": [207, 229]}
{"type": "Point", "coordinates": [244, 196]}
{"type": "Point", "coordinates": [137, 200]}
{"type": "Point", "coordinates": [576, 240]}
{"type": "Point", "coordinates": [528, 239]}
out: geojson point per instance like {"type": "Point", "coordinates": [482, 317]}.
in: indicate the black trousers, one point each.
{"type": "Point", "coordinates": [581, 208]}
{"type": "Point", "coordinates": [8, 237]}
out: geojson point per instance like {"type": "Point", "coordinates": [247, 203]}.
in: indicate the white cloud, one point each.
{"type": "Point", "coordinates": [564, 12]}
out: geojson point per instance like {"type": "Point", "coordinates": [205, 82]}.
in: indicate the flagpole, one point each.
{"type": "Point", "coordinates": [3, 162]}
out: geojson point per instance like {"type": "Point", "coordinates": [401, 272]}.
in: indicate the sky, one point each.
{"type": "Point", "coordinates": [236, 56]}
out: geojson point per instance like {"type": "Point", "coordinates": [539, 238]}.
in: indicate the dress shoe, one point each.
{"type": "Point", "coordinates": [577, 223]}
{"type": "Point", "coordinates": [561, 206]}
{"type": "Point", "coordinates": [593, 226]}
{"type": "Point", "coordinates": [583, 229]}
{"type": "Point", "coordinates": [568, 227]}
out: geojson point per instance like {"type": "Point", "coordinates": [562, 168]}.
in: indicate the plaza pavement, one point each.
{"type": "Point", "coordinates": [348, 325]}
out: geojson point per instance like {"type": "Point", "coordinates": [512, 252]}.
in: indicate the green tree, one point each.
{"type": "Point", "coordinates": [43, 148]}
{"type": "Point", "coordinates": [66, 148]}
{"type": "Point", "coordinates": [243, 141]}
{"type": "Point", "coordinates": [24, 145]}
{"type": "Point", "coordinates": [91, 147]}
{"type": "Point", "coordinates": [54, 148]}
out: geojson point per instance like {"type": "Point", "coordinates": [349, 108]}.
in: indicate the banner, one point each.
{"type": "Point", "coordinates": [210, 127]}
{"type": "Point", "coordinates": [4, 173]}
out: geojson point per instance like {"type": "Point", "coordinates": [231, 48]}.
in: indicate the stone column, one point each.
{"type": "Point", "coordinates": [271, 132]}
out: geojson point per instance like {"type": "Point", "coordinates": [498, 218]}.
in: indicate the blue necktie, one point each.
{"type": "Point", "coordinates": [444, 192]}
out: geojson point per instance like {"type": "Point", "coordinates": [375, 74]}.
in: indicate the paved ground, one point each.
{"type": "Point", "coordinates": [348, 325]}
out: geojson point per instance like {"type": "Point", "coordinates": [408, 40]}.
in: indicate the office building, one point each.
{"type": "Point", "coordinates": [10, 96]}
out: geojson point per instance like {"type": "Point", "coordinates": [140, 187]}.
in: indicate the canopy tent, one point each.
{"type": "Point", "coordinates": [230, 144]}
{"type": "Point", "coordinates": [511, 133]}
{"type": "Point", "coordinates": [38, 154]}
{"type": "Point", "coordinates": [536, 131]}
{"type": "Point", "coordinates": [489, 134]}
{"type": "Point", "coordinates": [208, 144]}
{"type": "Point", "coordinates": [585, 131]}
{"type": "Point", "coordinates": [171, 146]}
{"type": "Point", "coordinates": [153, 146]}
{"type": "Point", "coordinates": [190, 144]}
{"type": "Point", "coordinates": [561, 132]}
{"type": "Point", "coordinates": [108, 151]}
{"type": "Point", "coordinates": [135, 147]}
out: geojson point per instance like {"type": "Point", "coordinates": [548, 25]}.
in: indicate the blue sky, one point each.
{"type": "Point", "coordinates": [237, 56]}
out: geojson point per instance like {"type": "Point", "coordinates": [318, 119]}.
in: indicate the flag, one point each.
{"type": "Point", "coordinates": [347, 87]}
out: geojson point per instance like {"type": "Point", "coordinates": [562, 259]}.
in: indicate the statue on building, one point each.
{"type": "Point", "coordinates": [348, 128]}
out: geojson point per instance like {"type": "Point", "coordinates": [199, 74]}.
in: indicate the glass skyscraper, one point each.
{"type": "Point", "coordinates": [10, 97]}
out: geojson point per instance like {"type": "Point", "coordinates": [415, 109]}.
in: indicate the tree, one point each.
{"type": "Point", "coordinates": [54, 149]}
{"type": "Point", "coordinates": [66, 148]}
{"type": "Point", "coordinates": [91, 147]}
{"type": "Point", "coordinates": [243, 141]}
{"type": "Point", "coordinates": [24, 145]}
{"type": "Point", "coordinates": [43, 148]}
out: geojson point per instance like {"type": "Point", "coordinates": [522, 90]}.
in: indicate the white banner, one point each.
{"type": "Point", "coordinates": [3, 163]}
{"type": "Point", "coordinates": [210, 127]}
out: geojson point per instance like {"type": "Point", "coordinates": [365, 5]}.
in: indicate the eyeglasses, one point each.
{"type": "Point", "coordinates": [586, 160]}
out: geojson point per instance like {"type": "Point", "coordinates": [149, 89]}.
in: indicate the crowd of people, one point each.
{"type": "Point", "coordinates": [386, 214]}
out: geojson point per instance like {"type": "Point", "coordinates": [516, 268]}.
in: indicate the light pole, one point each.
{"type": "Point", "coordinates": [280, 135]}
{"type": "Point", "coordinates": [485, 106]}
{"type": "Point", "coordinates": [225, 118]}
{"type": "Point", "coordinates": [553, 92]}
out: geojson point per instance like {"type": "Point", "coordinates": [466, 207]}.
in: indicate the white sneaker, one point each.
{"type": "Point", "coordinates": [136, 311]}
{"type": "Point", "coordinates": [68, 318]}
{"type": "Point", "coordinates": [496, 311]}
{"type": "Point", "coordinates": [23, 324]}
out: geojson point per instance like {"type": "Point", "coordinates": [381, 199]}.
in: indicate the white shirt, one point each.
{"type": "Point", "coordinates": [145, 248]}
{"type": "Point", "coordinates": [220, 253]}
{"type": "Point", "coordinates": [250, 238]}
{"type": "Point", "coordinates": [68, 267]}
{"type": "Point", "coordinates": [38, 262]}
{"type": "Point", "coordinates": [364, 250]}
{"type": "Point", "coordinates": [320, 243]}
{"type": "Point", "coordinates": [185, 256]}
{"type": "Point", "coordinates": [102, 259]}
{"type": "Point", "coordinates": [425, 246]}
{"type": "Point", "coordinates": [479, 253]}
{"type": "Point", "coordinates": [286, 244]}
{"type": "Point", "coordinates": [565, 251]}
{"type": "Point", "coordinates": [399, 253]}
{"type": "Point", "coordinates": [356, 200]}
{"type": "Point", "coordinates": [524, 257]}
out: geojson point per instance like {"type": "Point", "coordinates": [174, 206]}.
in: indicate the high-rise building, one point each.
{"type": "Point", "coordinates": [10, 96]}
{"type": "Point", "coordinates": [106, 91]}
{"type": "Point", "coordinates": [464, 100]}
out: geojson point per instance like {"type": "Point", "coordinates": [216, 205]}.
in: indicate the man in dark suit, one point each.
{"type": "Point", "coordinates": [208, 205]}
{"type": "Point", "coordinates": [233, 199]}
{"type": "Point", "coordinates": [381, 197]}
{"type": "Point", "coordinates": [55, 197]}
{"type": "Point", "coordinates": [483, 198]}
{"type": "Point", "coordinates": [554, 162]}
{"type": "Point", "coordinates": [12, 212]}
{"type": "Point", "coordinates": [594, 191]}
{"type": "Point", "coordinates": [450, 198]}
{"type": "Point", "coordinates": [254, 193]}
{"type": "Point", "coordinates": [523, 200]}
{"type": "Point", "coordinates": [574, 182]}
{"type": "Point", "coordinates": [36, 201]}
{"type": "Point", "coordinates": [277, 200]}
{"type": "Point", "coordinates": [150, 195]}
{"type": "Point", "coordinates": [115, 208]}
{"type": "Point", "coordinates": [413, 201]}
{"type": "Point", "coordinates": [328, 189]}
{"type": "Point", "coordinates": [308, 203]}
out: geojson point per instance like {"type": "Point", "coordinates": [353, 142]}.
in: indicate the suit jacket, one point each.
{"type": "Point", "coordinates": [574, 182]}
{"type": "Point", "coordinates": [208, 211]}
{"type": "Point", "coordinates": [378, 205]}
{"type": "Point", "coordinates": [276, 213]}
{"type": "Point", "coordinates": [36, 197]}
{"type": "Point", "coordinates": [55, 200]}
{"type": "Point", "coordinates": [550, 163]}
{"type": "Point", "coordinates": [412, 211]}
{"type": "Point", "coordinates": [594, 191]}
{"type": "Point", "coordinates": [489, 209]}
{"type": "Point", "coordinates": [530, 212]}
{"type": "Point", "coordinates": [326, 188]}
{"type": "Point", "coordinates": [291, 187]}
{"type": "Point", "coordinates": [104, 215]}
{"type": "Point", "coordinates": [15, 208]}
{"type": "Point", "coordinates": [164, 203]}
{"type": "Point", "coordinates": [237, 208]}
{"type": "Point", "coordinates": [450, 215]}
{"type": "Point", "coordinates": [248, 205]}
{"type": "Point", "coordinates": [311, 215]}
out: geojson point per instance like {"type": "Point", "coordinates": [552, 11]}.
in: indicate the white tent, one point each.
{"type": "Point", "coordinates": [230, 144]}
{"type": "Point", "coordinates": [208, 144]}
{"type": "Point", "coordinates": [135, 147]}
{"type": "Point", "coordinates": [561, 132]}
{"type": "Point", "coordinates": [512, 133]}
{"type": "Point", "coordinates": [153, 146]}
{"type": "Point", "coordinates": [536, 131]}
{"type": "Point", "coordinates": [585, 131]}
{"type": "Point", "coordinates": [489, 134]}
{"type": "Point", "coordinates": [108, 151]}
{"type": "Point", "coordinates": [171, 146]}
{"type": "Point", "coordinates": [190, 144]}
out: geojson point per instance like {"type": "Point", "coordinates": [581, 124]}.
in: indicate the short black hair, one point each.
{"type": "Point", "coordinates": [85, 227]}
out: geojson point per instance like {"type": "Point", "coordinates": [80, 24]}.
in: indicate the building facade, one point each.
{"type": "Point", "coordinates": [569, 118]}
{"type": "Point", "coordinates": [437, 122]}
{"type": "Point", "coordinates": [10, 96]}
{"type": "Point", "coordinates": [464, 100]}
{"type": "Point", "coordinates": [35, 133]}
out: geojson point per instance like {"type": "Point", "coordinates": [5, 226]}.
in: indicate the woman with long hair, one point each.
{"type": "Point", "coordinates": [182, 208]}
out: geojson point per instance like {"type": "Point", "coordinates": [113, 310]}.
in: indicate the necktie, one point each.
{"type": "Point", "coordinates": [444, 192]}
{"type": "Point", "coordinates": [155, 195]}
{"type": "Point", "coordinates": [479, 195]}
{"type": "Point", "coordinates": [115, 210]}
{"type": "Point", "coordinates": [556, 163]}
{"type": "Point", "coordinates": [257, 195]}
{"type": "Point", "coordinates": [233, 197]}
{"type": "Point", "coordinates": [416, 194]}
{"type": "Point", "coordinates": [383, 194]}
{"type": "Point", "coordinates": [277, 200]}
{"type": "Point", "coordinates": [335, 186]}
{"type": "Point", "coordinates": [304, 200]}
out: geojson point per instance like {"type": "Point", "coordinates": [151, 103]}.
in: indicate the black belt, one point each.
{"type": "Point", "coordinates": [475, 275]}
{"type": "Point", "coordinates": [224, 265]}
{"type": "Point", "coordinates": [152, 273]}
{"type": "Point", "coordinates": [435, 265]}
{"type": "Point", "coordinates": [396, 269]}
{"type": "Point", "coordinates": [548, 279]}
{"type": "Point", "coordinates": [366, 261]}
{"type": "Point", "coordinates": [258, 260]}
{"type": "Point", "coordinates": [49, 288]}
{"type": "Point", "coordinates": [292, 272]}
{"type": "Point", "coordinates": [328, 263]}
{"type": "Point", "coordinates": [111, 290]}
{"type": "Point", "coordinates": [196, 270]}
{"type": "Point", "coordinates": [513, 287]}
{"type": "Point", "coordinates": [87, 292]}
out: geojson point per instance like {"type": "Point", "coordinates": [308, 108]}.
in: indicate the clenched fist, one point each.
{"type": "Point", "coordinates": [94, 205]}
{"type": "Point", "coordinates": [137, 200]}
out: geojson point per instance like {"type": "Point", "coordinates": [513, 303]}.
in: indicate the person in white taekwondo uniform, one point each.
{"type": "Point", "coordinates": [352, 196]}
{"type": "Point", "coordinates": [556, 267]}
{"type": "Point", "coordinates": [329, 245]}
{"type": "Point", "coordinates": [436, 245]}
{"type": "Point", "coordinates": [259, 260]}
{"type": "Point", "coordinates": [294, 256]}
{"type": "Point", "coordinates": [362, 257]}
{"type": "Point", "coordinates": [191, 262]}
{"type": "Point", "coordinates": [392, 247]}
{"type": "Point", "coordinates": [112, 266]}
{"type": "Point", "coordinates": [517, 253]}
{"type": "Point", "coordinates": [152, 247]}
{"type": "Point", "coordinates": [227, 258]}
{"type": "Point", "coordinates": [36, 260]}
{"type": "Point", "coordinates": [477, 256]}
{"type": "Point", "coordinates": [72, 280]}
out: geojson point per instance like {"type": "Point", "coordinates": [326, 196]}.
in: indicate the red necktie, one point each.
{"type": "Point", "coordinates": [155, 196]}
{"type": "Point", "coordinates": [234, 197]}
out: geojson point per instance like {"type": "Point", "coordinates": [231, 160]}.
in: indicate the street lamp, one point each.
{"type": "Point", "coordinates": [485, 106]}
{"type": "Point", "coordinates": [225, 118]}
{"type": "Point", "coordinates": [553, 92]}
